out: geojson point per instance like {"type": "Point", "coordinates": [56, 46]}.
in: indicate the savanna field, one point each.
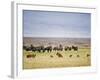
{"type": "Point", "coordinates": [55, 59]}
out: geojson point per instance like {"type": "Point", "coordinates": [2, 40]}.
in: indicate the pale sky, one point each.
{"type": "Point", "coordinates": [56, 24]}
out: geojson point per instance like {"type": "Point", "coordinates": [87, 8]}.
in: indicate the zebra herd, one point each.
{"type": "Point", "coordinates": [50, 48]}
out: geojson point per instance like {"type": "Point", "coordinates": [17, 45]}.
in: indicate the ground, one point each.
{"type": "Point", "coordinates": [43, 60]}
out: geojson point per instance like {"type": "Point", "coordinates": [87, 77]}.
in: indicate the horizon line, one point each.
{"type": "Point", "coordinates": [54, 37]}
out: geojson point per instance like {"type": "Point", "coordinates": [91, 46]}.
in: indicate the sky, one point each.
{"type": "Point", "coordinates": [56, 24]}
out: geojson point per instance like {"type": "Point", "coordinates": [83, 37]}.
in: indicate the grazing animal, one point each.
{"type": "Point", "coordinates": [24, 47]}
{"type": "Point", "coordinates": [88, 55]}
{"type": "Point", "coordinates": [59, 55]}
{"type": "Point", "coordinates": [55, 48]}
{"type": "Point", "coordinates": [78, 55]}
{"type": "Point", "coordinates": [31, 56]}
{"type": "Point", "coordinates": [28, 49]}
{"type": "Point", "coordinates": [33, 48]}
{"type": "Point", "coordinates": [59, 48]}
{"type": "Point", "coordinates": [70, 55]}
{"type": "Point", "coordinates": [67, 48]}
{"type": "Point", "coordinates": [38, 48]}
{"type": "Point", "coordinates": [49, 48]}
{"type": "Point", "coordinates": [75, 48]}
{"type": "Point", "coordinates": [51, 56]}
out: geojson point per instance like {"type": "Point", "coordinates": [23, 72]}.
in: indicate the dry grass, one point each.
{"type": "Point", "coordinates": [43, 60]}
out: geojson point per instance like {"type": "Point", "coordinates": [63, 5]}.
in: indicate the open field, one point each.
{"type": "Point", "coordinates": [43, 60]}
{"type": "Point", "coordinates": [69, 58]}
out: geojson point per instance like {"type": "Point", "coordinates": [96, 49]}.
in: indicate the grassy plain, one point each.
{"type": "Point", "coordinates": [43, 60]}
